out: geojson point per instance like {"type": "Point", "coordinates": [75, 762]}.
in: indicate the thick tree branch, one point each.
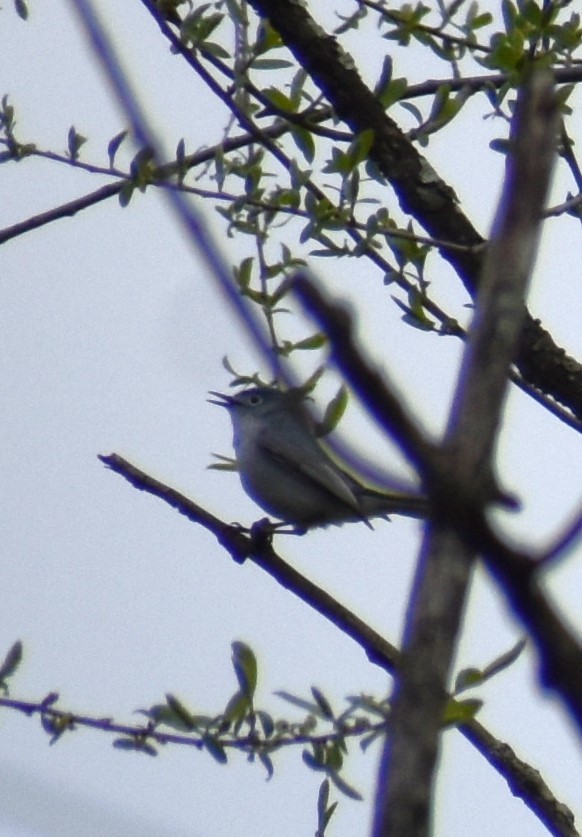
{"type": "Point", "coordinates": [404, 801]}
{"type": "Point", "coordinates": [257, 547]}
{"type": "Point", "coordinates": [420, 190]}
{"type": "Point", "coordinates": [405, 787]}
{"type": "Point", "coordinates": [561, 658]}
{"type": "Point", "coordinates": [563, 413]}
{"type": "Point", "coordinates": [521, 777]}
{"type": "Point", "coordinates": [518, 572]}
{"type": "Point", "coordinates": [525, 782]}
{"type": "Point", "coordinates": [138, 124]}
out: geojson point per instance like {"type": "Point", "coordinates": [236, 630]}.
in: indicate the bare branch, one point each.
{"type": "Point", "coordinates": [460, 506]}
{"type": "Point", "coordinates": [406, 781]}
{"type": "Point", "coordinates": [516, 572]}
{"type": "Point", "coordinates": [66, 210]}
{"type": "Point", "coordinates": [524, 781]}
{"type": "Point", "coordinates": [564, 543]}
{"type": "Point", "coordinates": [259, 549]}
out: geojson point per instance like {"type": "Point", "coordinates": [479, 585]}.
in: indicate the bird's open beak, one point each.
{"type": "Point", "coordinates": [226, 400]}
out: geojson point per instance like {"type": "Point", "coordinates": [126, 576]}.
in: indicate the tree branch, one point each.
{"type": "Point", "coordinates": [420, 190]}
{"type": "Point", "coordinates": [407, 773]}
{"type": "Point", "coordinates": [524, 781]}
{"type": "Point", "coordinates": [461, 506]}
{"type": "Point", "coordinates": [160, 175]}
{"type": "Point", "coordinates": [497, 327]}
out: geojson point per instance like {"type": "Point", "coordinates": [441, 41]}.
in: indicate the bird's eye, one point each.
{"type": "Point", "coordinates": [255, 400]}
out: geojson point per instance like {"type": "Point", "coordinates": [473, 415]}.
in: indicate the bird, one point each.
{"type": "Point", "coordinates": [286, 471]}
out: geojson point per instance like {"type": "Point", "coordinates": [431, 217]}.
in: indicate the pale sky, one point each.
{"type": "Point", "coordinates": [111, 335]}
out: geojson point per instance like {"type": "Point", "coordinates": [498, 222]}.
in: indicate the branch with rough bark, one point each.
{"type": "Point", "coordinates": [524, 781]}
{"type": "Point", "coordinates": [420, 190]}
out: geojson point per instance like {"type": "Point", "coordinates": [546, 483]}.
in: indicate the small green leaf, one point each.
{"type": "Point", "coordinates": [562, 95]}
{"type": "Point", "coordinates": [142, 168]}
{"type": "Point", "coordinates": [217, 50]}
{"type": "Point", "coordinates": [333, 412]}
{"type": "Point", "coordinates": [481, 20]}
{"type": "Point", "coordinates": [243, 273]}
{"type": "Point", "coordinates": [180, 713]}
{"type": "Point", "coordinates": [136, 745]}
{"type": "Point", "coordinates": [280, 293]}
{"type": "Point", "coordinates": [271, 64]}
{"type": "Point", "coordinates": [334, 758]}
{"type": "Point", "coordinates": [245, 667]}
{"type": "Point", "coordinates": [10, 663]}
{"type": "Point", "coordinates": [413, 110]}
{"type": "Point", "coordinates": [502, 146]}
{"type": "Point", "coordinates": [467, 678]}
{"type": "Point", "coordinates": [296, 88]}
{"type": "Point", "coordinates": [21, 9]}
{"type": "Point", "coordinates": [7, 116]}
{"type": "Point", "coordinates": [226, 463]}
{"type": "Point", "coordinates": [393, 92]}
{"type": "Point", "coordinates": [323, 703]}
{"type": "Point", "coordinates": [322, 799]}
{"type": "Point", "coordinates": [300, 702]}
{"type": "Point", "coordinates": [440, 100]}
{"type": "Point", "coordinates": [316, 341]}
{"type": "Point", "coordinates": [280, 100]}
{"type": "Point", "coordinates": [324, 813]}
{"type": "Point", "coordinates": [267, 763]}
{"type": "Point", "coordinates": [267, 37]}
{"type": "Point", "coordinates": [360, 148]}
{"type": "Point", "coordinates": [237, 709]}
{"type": "Point", "coordinates": [266, 722]}
{"type": "Point", "coordinates": [236, 12]}
{"type": "Point", "coordinates": [215, 749]}
{"type": "Point", "coordinates": [114, 145]}
{"type": "Point", "coordinates": [459, 711]}
{"type": "Point", "coordinates": [509, 12]}
{"type": "Point", "coordinates": [304, 141]}
{"type": "Point", "coordinates": [385, 76]}
{"type": "Point", "coordinates": [315, 761]}
{"type": "Point", "coordinates": [126, 192]}
{"type": "Point", "coordinates": [161, 713]}
{"type": "Point", "coordinates": [74, 142]}
{"type": "Point", "coordinates": [219, 167]}
{"type": "Point", "coordinates": [415, 314]}
{"type": "Point", "coordinates": [313, 380]}
{"type": "Point", "coordinates": [344, 787]}
{"type": "Point", "coordinates": [181, 159]}
{"type": "Point", "coordinates": [504, 660]}
{"type": "Point", "coordinates": [368, 740]}
{"type": "Point", "coordinates": [50, 700]}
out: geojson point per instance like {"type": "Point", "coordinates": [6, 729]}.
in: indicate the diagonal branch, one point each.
{"type": "Point", "coordinates": [517, 572]}
{"type": "Point", "coordinates": [406, 782]}
{"type": "Point", "coordinates": [560, 654]}
{"type": "Point", "coordinates": [406, 776]}
{"type": "Point", "coordinates": [420, 190]}
{"type": "Point", "coordinates": [160, 176]}
{"type": "Point", "coordinates": [524, 781]}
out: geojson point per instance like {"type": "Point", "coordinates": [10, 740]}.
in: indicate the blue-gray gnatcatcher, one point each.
{"type": "Point", "coordinates": [285, 470]}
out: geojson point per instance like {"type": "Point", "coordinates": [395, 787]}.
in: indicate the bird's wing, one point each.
{"type": "Point", "coordinates": [312, 462]}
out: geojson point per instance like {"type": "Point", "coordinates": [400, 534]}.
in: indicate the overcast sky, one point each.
{"type": "Point", "coordinates": [111, 334]}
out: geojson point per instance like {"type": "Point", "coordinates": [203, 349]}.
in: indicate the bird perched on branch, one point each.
{"type": "Point", "coordinates": [286, 471]}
